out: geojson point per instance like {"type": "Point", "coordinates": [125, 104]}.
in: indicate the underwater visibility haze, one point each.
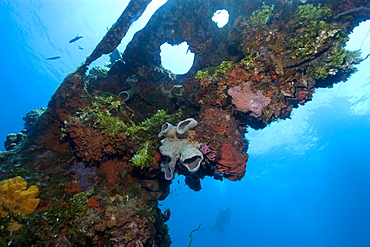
{"type": "Point", "coordinates": [153, 123]}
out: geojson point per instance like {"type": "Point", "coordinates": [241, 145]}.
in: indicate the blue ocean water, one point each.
{"type": "Point", "coordinates": [307, 181]}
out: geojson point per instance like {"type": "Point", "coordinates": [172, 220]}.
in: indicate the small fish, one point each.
{"type": "Point", "coordinates": [81, 48]}
{"type": "Point", "coordinates": [75, 39]}
{"type": "Point", "coordinates": [166, 215]}
{"type": "Point", "coordinates": [53, 58]}
{"type": "Point", "coordinates": [27, 130]}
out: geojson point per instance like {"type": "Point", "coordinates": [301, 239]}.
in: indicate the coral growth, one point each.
{"type": "Point", "coordinates": [97, 152]}
{"type": "Point", "coordinates": [210, 154]}
{"type": "Point", "coordinates": [13, 140]}
{"type": "Point", "coordinates": [15, 198]}
{"type": "Point", "coordinates": [232, 163]}
{"type": "Point", "coordinates": [246, 101]}
{"type": "Point", "coordinates": [31, 117]}
{"type": "Point", "coordinates": [178, 147]}
{"type": "Point", "coordinates": [91, 144]}
{"type": "Point", "coordinates": [112, 169]}
{"type": "Point", "coordinates": [145, 133]}
{"type": "Point", "coordinates": [85, 174]}
{"type": "Point", "coordinates": [224, 145]}
{"type": "Point", "coordinates": [133, 233]}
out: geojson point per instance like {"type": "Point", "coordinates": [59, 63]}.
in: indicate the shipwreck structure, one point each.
{"type": "Point", "coordinates": [106, 148]}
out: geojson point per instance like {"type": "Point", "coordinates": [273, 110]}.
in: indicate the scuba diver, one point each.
{"type": "Point", "coordinates": [222, 219]}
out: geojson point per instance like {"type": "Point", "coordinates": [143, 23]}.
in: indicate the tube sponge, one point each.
{"type": "Point", "coordinates": [177, 146]}
{"type": "Point", "coordinates": [16, 199]}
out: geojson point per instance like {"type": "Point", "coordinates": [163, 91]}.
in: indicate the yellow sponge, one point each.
{"type": "Point", "coordinates": [16, 199]}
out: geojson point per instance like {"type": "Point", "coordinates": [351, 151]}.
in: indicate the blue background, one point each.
{"type": "Point", "coordinates": [307, 181]}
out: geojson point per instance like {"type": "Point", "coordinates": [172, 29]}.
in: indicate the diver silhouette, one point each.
{"type": "Point", "coordinates": [222, 219]}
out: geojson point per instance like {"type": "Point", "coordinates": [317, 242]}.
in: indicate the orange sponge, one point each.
{"type": "Point", "coordinates": [16, 199]}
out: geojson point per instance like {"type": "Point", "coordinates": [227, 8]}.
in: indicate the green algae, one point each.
{"type": "Point", "coordinates": [156, 121]}
{"type": "Point", "coordinates": [104, 108]}
{"type": "Point", "coordinates": [59, 216]}
{"type": "Point", "coordinates": [202, 75]}
{"type": "Point", "coordinates": [313, 30]}
{"type": "Point", "coordinates": [261, 16]}
{"type": "Point", "coordinates": [105, 102]}
{"type": "Point", "coordinates": [338, 59]}
{"type": "Point", "coordinates": [207, 73]}
{"type": "Point", "coordinates": [106, 111]}
{"type": "Point", "coordinates": [145, 134]}
{"type": "Point", "coordinates": [247, 59]}
{"type": "Point", "coordinates": [143, 156]}
{"type": "Point", "coordinates": [221, 69]}
{"type": "Point", "coordinates": [110, 125]}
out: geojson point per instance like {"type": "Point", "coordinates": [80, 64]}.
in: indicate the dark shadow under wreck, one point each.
{"type": "Point", "coordinates": [107, 146]}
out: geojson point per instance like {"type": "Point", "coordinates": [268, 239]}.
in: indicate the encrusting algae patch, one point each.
{"type": "Point", "coordinates": [16, 199]}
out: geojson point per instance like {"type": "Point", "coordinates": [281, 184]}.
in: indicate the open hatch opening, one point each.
{"type": "Point", "coordinates": [177, 58]}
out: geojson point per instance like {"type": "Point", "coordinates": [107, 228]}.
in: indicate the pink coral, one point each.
{"type": "Point", "coordinates": [210, 154]}
{"type": "Point", "coordinates": [246, 101]}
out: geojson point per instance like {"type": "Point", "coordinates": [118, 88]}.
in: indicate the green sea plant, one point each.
{"type": "Point", "coordinates": [155, 122]}
{"type": "Point", "coordinates": [143, 156]}
{"type": "Point", "coordinates": [247, 59]}
{"type": "Point", "coordinates": [110, 125]}
{"type": "Point", "coordinates": [106, 102]}
{"type": "Point", "coordinates": [313, 30]}
{"type": "Point", "coordinates": [103, 107]}
{"type": "Point", "coordinates": [59, 216]}
{"type": "Point", "coordinates": [202, 75]}
{"type": "Point", "coordinates": [207, 73]}
{"type": "Point", "coordinates": [261, 16]}
{"type": "Point", "coordinates": [308, 13]}
{"type": "Point", "coordinates": [221, 69]}
{"type": "Point", "coordinates": [145, 134]}
{"type": "Point", "coordinates": [338, 59]}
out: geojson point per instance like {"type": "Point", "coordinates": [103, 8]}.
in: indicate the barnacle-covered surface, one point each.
{"type": "Point", "coordinates": [94, 152]}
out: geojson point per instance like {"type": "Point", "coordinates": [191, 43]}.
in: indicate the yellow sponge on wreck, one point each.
{"type": "Point", "coordinates": [16, 199]}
